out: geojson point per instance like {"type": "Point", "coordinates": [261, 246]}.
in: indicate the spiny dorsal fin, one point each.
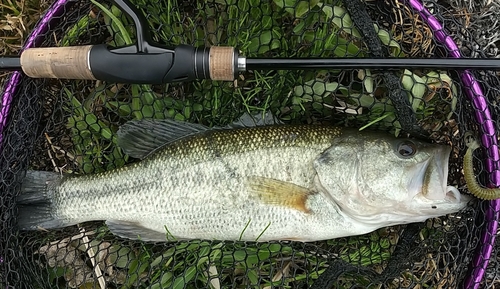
{"type": "Point", "coordinates": [259, 119]}
{"type": "Point", "coordinates": [138, 138]}
{"type": "Point", "coordinates": [281, 193]}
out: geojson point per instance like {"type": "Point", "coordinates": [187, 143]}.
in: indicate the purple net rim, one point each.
{"type": "Point", "coordinates": [473, 91]}
{"type": "Point", "coordinates": [489, 141]}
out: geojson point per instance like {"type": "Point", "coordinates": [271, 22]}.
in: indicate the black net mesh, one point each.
{"type": "Point", "coordinates": [70, 127]}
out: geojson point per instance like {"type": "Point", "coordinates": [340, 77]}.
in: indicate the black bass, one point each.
{"type": "Point", "coordinates": [281, 182]}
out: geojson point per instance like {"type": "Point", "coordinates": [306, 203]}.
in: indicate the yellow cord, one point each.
{"type": "Point", "coordinates": [470, 178]}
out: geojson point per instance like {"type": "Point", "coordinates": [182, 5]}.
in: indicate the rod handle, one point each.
{"type": "Point", "coordinates": [57, 62]}
{"type": "Point", "coordinates": [97, 62]}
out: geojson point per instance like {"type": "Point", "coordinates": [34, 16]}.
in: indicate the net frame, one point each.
{"type": "Point", "coordinates": [473, 91]}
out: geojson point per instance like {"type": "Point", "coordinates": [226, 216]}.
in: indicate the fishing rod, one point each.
{"type": "Point", "coordinates": [148, 63]}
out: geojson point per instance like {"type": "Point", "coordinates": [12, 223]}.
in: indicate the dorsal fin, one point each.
{"type": "Point", "coordinates": [259, 119]}
{"type": "Point", "coordinates": [138, 138]}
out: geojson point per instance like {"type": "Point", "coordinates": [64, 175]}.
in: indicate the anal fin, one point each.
{"type": "Point", "coordinates": [280, 193]}
{"type": "Point", "coordinates": [135, 231]}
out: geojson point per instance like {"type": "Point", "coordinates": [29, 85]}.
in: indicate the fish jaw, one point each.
{"type": "Point", "coordinates": [434, 175]}
{"type": "Point", "coordinates": [429, 177]}
{"type": "Point", "coordinates": [436, 197]}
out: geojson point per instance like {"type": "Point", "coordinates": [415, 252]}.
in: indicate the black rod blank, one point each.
{"type": "Point", "coordinates": [372, 63]}
{"type": "Point", "coordinates": [10, 63]}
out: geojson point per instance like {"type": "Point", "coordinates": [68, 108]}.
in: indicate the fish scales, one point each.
{"type": "Point", "coordinates": [200, 181]}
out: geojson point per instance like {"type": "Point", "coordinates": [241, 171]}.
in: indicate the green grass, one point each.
{"type": "Point", "coordinates": [17, 19]}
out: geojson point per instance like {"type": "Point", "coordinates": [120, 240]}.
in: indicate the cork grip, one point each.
{"type": "Point", "coordinates": [222, 66]}
{"type": "Point", "coordinates": [57, 62]}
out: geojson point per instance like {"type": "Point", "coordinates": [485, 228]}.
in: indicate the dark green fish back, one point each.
{"type": "Point", "coordinates": [220, 142]}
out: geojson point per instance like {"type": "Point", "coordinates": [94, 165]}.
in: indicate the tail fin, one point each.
{"type": "Point", "coordinates": [35, 201]}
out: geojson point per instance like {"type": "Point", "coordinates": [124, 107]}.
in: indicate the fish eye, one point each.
{"type": "Point", "coordinates": [406, 149]}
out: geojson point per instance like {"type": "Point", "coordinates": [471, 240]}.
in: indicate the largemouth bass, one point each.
{"type": "Point", "coordinates": [281, 182]}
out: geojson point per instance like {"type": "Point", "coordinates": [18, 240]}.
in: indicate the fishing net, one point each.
{"type": "Point", "coordinates": [69, 126]}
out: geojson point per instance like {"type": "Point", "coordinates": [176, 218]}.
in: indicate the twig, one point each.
{"type": "Point", "coordinates": [69, 155]}
{"type": "Point", "coordinates": [53, 162]}
{"type": "Point", "coordinates": [283, 272]}
{"type": "Point", "coordinates": [58, 148]}
{"type": "Point", "coordinates": [212, 272]}
{"type": "Point", "coordinates": [91, 253]}
{"type": "Point", "coordinates": [56, 168]}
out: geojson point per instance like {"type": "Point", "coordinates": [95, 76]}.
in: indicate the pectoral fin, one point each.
{"type": "Point", "coordinates": [280, 193]}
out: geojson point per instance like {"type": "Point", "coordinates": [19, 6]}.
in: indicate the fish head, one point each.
{"type": "Point", "coordinates": [383, 180]}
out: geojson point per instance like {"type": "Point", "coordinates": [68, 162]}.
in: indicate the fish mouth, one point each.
{"type": "Point", "coordinates": [433, 177]}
